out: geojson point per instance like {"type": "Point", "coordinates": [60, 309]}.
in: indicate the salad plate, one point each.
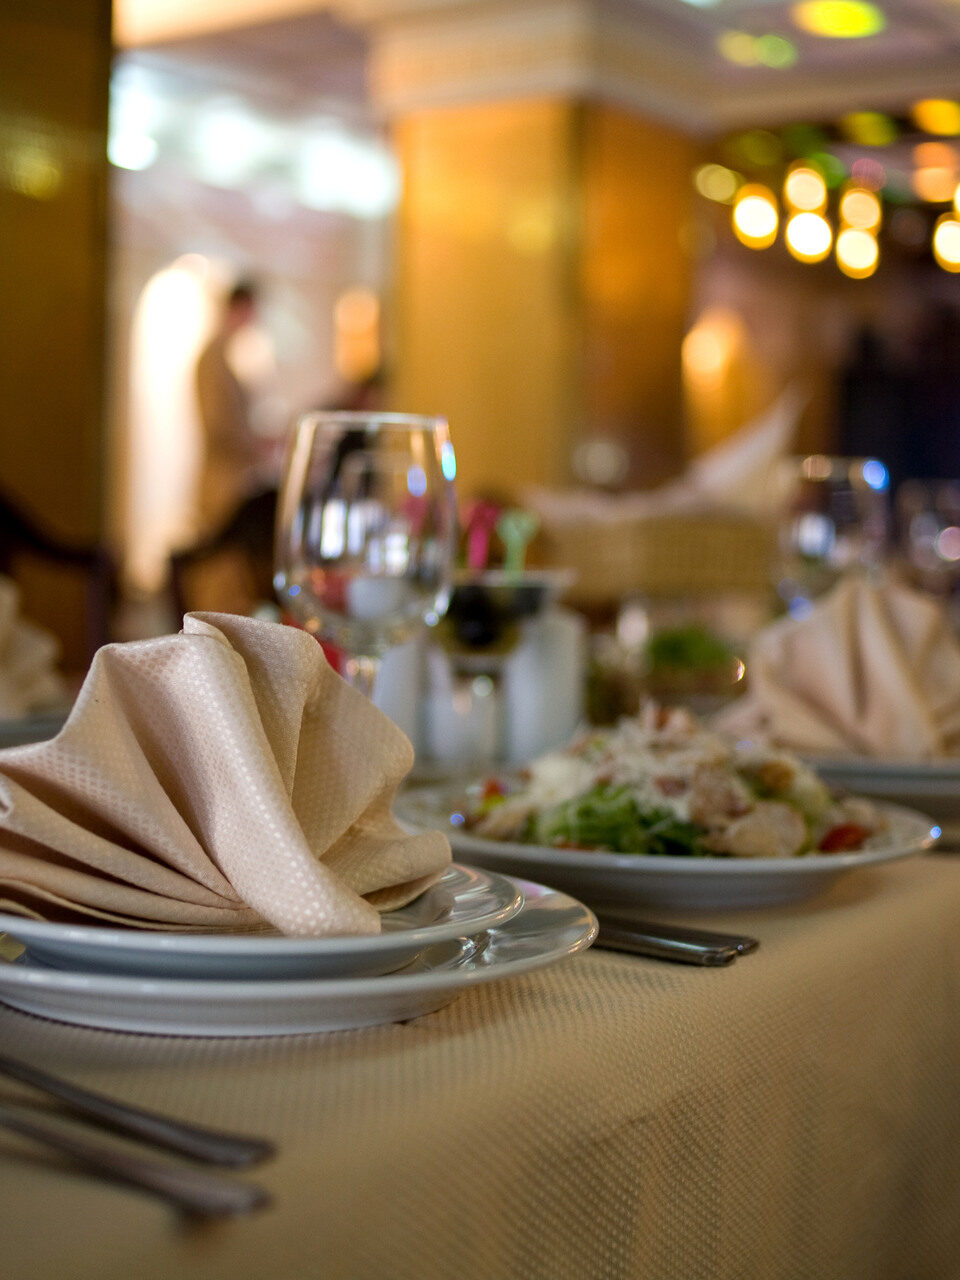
{"type": "Point", "coordinates": [606, 879]}
{"type": "Point", "coordinates": [661, 810]}
{"type": "Point", "coordinates": [464, 901]}
{"type": "Point", "coordinates": [550, 927]}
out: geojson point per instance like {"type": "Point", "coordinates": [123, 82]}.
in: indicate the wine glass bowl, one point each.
{"type": "Point", "coordinates": [835, 519]}
{"type": "Point", "coordinates": [366, 531]}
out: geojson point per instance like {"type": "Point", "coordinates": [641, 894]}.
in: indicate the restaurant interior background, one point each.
{"type": "Point", "coordinates": [563, 224]}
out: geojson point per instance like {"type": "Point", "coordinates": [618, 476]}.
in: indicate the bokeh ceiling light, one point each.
{"type": "Point", "coordinates": [339, 172]}
{"type": "Point", "coordinates": [710, 348]}
{"type": "Point", "coordinates": [808, 237]}
{"type": "Point", "coordinates": [33, 171]}
{"type": "Point", "coordinates": [775, 51]}
{"type": "Point", "coordinates": [857, 253]}
{"type": "Point", "coordinates": [716, 182]}
{"type": "Point", "coordinates": [839, 19]}
{"type": "Point", "coordinates": [738, 47]}
{"type": "Point", "coordinates": [868, 173]}
{"type": "Point", "coordinates": [860, 209]}
{"type": "Point", "coordinates": [935, 184]}
{"type": "Point", "coordinates": [230, 143]}
{"type": "Point", "coordinates": [755, 216]}
{"type": "Point", "coordinates": [832, 167]}
{"type": "Point", "coordinates": [946, 242]}
{"type": "Point", "coordinates": [136, 151]}
{"type": "Point", "coordinates": [937, 171]}
{"type": "Point", "coordinates": [758, 147]}
{"type": "Point", "coordinates": [136, 116]}
{"type": "Point", "coordinates": [937, 115]}
{"type": "Point", "coordinates": [805, 189]}
{"type": "Point", "coordinates": [746, 50]}
{"type": "Point", "coordinates": [936, 155]}
{"type": "Point", "coordinates": [869, 128]}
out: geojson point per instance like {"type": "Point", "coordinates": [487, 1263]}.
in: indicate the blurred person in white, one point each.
{"type": "Point", "coordinates": [230, 450]}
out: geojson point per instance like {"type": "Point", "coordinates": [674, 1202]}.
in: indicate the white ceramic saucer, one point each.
{"type": "Point", "coordinates": [549, 927]}
{"type": "Point", "coordinates": [465, 901]}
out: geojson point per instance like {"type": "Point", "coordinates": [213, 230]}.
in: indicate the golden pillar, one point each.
{"type": "Point", "coordinates": [543, 254]}
{"type": "Point", "coordinates": [54, 78]}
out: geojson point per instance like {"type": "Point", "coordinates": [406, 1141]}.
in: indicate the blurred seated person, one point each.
{"type": "Point", "coordinates": [230, 451]}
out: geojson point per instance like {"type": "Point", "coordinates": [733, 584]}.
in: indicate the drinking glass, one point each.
{"type": "Point", "coordinates": [366, 531]}
{"type": "Point", "coordinates": [835, 518]}
{"type": "Point", "coordinates": [928, 514]}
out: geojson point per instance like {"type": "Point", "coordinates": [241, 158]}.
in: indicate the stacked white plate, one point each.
{"type": "Point", "coordinates": [472, 927]}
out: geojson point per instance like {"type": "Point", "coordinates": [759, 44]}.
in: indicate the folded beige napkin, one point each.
{"type": "Point", "coordinates": [221, 779]}
{"type": "Point", "coordinates": [741, 473]}
{"type": "Point", "coordinates": [29, 680]}
{"type": "Point", "coordinates": [873, 670]}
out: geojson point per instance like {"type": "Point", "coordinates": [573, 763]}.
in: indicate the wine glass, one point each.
{"type": "Point", "coordinates": [835, 519]}
{"type": "Point", "coordinates": [366, 531]}
{"type": "Point", "coordinates": [928, 515]}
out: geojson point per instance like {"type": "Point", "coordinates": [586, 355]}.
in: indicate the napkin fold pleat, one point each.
{"type": "Point", "coordinates": [224, 778]}
{"type": "Point", "coordinates": [873, 670]}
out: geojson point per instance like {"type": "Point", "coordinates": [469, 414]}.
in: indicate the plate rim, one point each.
{"type": "Point", "coordinates": [218, 945]}
{"type": "Point", "coordinates": [25, 977]}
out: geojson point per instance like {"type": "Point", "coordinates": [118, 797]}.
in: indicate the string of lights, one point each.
{"type": "Point", "coordinates": [865, 166]}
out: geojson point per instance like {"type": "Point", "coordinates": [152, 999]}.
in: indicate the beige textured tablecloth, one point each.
{"type": "Point", "coordinates": [794, 1117]}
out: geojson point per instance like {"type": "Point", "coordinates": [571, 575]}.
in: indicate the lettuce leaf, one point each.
{"type": "Point", "coordinates": [608, 817]}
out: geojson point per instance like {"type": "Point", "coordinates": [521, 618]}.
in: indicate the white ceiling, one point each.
{"type": "Point", "coordinates": [917, 55]}
{"type": "Point", "coordinates": [316, 55]}
{"type": "Point", "coordinates": [308, 59]}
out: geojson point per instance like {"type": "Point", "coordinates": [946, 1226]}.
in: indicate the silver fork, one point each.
{"type": "Point", "coordinates": [210, 1146]}
{"type": "Point", "coordinates": [193, 1190]}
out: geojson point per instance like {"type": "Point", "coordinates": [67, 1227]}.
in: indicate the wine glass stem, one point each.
{"type": "Point", "coordinates": [360, 670]}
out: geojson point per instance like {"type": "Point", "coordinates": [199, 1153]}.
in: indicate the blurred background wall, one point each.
{"type": "Point", "coordinates": [520, 215]}
{"type": "Point", "coordinates": [55, 58]}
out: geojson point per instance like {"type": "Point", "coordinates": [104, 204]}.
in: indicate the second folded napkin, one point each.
{"type": "Point", "coordinates": [221, 779]}
{"type": "Point", "coordinates": [873, 670]}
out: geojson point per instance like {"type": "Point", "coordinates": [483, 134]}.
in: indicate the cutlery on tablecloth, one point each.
{"type": "Point", "coordinates": [206, 1145]}
{"type": "Point", "coordinates": [672, 942]}
{"type": "Point", "coordinates": [193, 1190]}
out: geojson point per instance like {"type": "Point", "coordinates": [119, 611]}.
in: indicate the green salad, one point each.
{"type": "Point", "coordinates": [662, 785]}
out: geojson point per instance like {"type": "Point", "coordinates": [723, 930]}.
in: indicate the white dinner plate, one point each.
{"type": "Point", "coordinates": [465, 901]}
{"type": "Point", "coordinates": [549, 927]}
{"type": "Point", "coordinates": [681, 883]}
{"type": "Point", "coordinates": [933, 786]}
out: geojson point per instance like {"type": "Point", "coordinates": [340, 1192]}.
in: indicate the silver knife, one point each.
{"type": "Point", "coordinates": [672, 942]}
